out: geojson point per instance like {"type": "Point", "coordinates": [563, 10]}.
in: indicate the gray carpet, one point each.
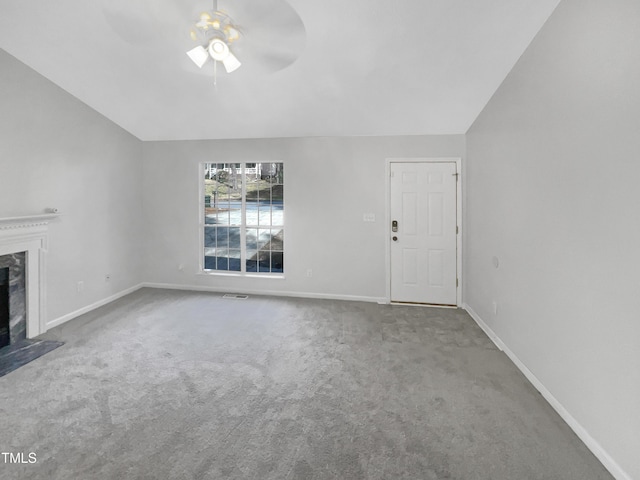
{"type": "Point", "coordinates": [181, 385]}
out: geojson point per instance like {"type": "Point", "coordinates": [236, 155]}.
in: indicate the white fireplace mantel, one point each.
{"type": "Point", "coordinates": [30, 234]}
{"type": "Point", "coordinates": [26, 221]}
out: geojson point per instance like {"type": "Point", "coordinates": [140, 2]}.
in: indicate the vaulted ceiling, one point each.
{"type": "Point", "coordinates": [363, 67]}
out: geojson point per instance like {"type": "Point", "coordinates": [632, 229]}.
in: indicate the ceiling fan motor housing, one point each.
{"type": "Point", "coordinates": [218, 49]}
{"type": "Point", "coordinates": [215, 25]}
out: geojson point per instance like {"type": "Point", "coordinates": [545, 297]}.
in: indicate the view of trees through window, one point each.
{"type": "Point", "coordinates": [244, 217]}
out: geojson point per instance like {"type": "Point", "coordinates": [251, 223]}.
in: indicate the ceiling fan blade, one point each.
{"type": "Point", "coordinates": [275, 14]}
{"type": "Point", "coordinates": [273, 34]}
{"type": "Point", "coordinates": [231, 63]}
{"type": "Point", "coordinates": [144, 21]}
{"type": "Point", "coordinates": [271, 55]}
{"type": "Point", "coordinates": [198, 55]}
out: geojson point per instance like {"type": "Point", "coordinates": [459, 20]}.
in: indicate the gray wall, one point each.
{"type": "Point", "coordinates": [552, 191]}
{"type": "Point", "coordinates": [57, 152]}
{"type": "Point", "coordinates": [329, 184]}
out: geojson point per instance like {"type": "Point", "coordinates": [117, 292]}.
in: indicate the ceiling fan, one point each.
{"type": "Point", "coordinates": [271, 34]}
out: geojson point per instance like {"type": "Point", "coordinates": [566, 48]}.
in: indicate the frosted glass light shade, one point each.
{"type": "Point", "coordinates": [231, 63]}
{"type": "Point", "coordinates": [198, 55]}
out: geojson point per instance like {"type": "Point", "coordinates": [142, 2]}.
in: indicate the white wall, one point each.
{"type": "Point", "coordinates": [329, 184]}
{"type": "Point", "coordinates": [552, 191]}
{"type": "Point", "coordinates": [57, 152]}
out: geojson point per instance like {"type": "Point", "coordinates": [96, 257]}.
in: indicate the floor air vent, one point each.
{"type": "Point", "coordinates": [236, 296]}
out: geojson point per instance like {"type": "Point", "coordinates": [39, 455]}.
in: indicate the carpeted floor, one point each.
{"type": "Point", "coordinates": [180, 385]}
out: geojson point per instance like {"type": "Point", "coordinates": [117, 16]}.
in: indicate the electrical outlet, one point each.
{"type": "Point", "coordinates": [80, 286]}
{"type": "Point", "coordinates": [309, 272]}
{"type": "Point", "coordinates": [369, 217]}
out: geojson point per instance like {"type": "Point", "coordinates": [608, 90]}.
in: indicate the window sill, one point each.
{"type": "Point", "coordinates": [207, 273]}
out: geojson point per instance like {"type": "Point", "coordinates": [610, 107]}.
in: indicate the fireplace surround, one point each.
{"type": "Point", "coordinates": [29, 234]}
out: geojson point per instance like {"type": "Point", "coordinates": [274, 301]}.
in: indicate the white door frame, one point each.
{"type": "Point", "coordinates": [458, 162]}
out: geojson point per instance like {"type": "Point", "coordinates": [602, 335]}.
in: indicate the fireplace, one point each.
{"type": "Point", "coordinates": [4, 307]}
{"type": "Point", "coordinates": [23, 248]}
{"type": "Point", "coordinates": [13, 321]}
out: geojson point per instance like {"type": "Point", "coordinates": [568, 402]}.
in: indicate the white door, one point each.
{"type": "Point", "coordinates": [423, 232]}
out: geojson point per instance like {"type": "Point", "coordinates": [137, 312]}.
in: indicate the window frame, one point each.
{"type": "Point", "coordinates": [243, 227]}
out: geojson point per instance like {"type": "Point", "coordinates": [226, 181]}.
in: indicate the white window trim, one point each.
{"type": "Point", "coordinates": [243, 227]}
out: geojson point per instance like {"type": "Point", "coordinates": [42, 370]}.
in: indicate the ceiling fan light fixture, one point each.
{"type": "Point", "coordinates": [215, 31]}
{"type": "Point", "coordinates": [231, 63]}
{"type": "Point", "coordinates": [198, 55]}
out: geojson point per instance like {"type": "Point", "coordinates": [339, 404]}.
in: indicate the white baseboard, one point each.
{"type": "Point", "coordinates": [65, 318]}
{"type": "Point", "coordinates": [275, 293]}
{"type": "Point", "coordinates": [600, 453]}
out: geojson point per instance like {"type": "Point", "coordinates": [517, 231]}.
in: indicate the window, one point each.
{"type": "Point", "coordinates": [243, 226]}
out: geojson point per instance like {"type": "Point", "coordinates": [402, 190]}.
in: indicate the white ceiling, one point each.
{"type": "Point", "coordinates": [366, 67]}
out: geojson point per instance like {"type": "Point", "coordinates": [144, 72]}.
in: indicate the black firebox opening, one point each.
{"type": "Point", "coordinates": [5, 339]}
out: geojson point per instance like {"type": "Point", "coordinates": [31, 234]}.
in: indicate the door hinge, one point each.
{"type": "Point", "coordinates": [456, 282]}
{"type": "Point", "coordinates": [391, 173]}
{"type": "Point", "coordinates": [457, 175]}
{"type": "Point", "coordinates": [457, 230]}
